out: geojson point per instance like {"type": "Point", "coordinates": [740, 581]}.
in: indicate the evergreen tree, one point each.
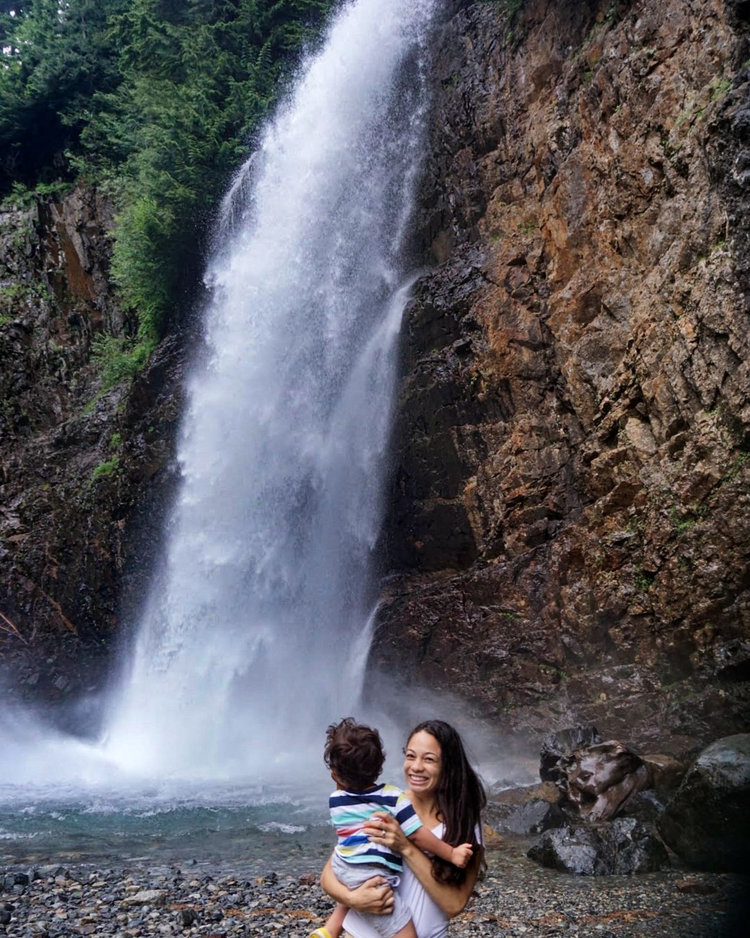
{"type": "Point", "coordinates": [157, 99]}
{"type": "Point", "coordinates": [55, 56]}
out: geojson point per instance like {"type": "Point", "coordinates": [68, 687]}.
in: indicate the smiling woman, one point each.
{"type": "Point", "coordinates": [448, 797]}
{"type": "Point", "coordinates": [444, 789]}
{"type": "Point", "coordinates": [422, 761]}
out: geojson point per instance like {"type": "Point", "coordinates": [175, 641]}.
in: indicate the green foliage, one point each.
{"type": "Point", "coordinates": [643, 580]}
{"type": "Point", "coordinates": [52, 190]}
{"type": "Point", "coordinates": [106, 468]}
{"type": "Point", "coordinates": [20, 197]}
{"type": "Point", "coordinates": [552, 671]}
{"type": "Point", "coordinates": [55, 55]}
{"type": "Point", "coordinates": [719, 89]}
{"type": "Point", "coordinates": [119, 358]}
{"type": "Point", "coordinates": [197, 79]}
{"type": "Point", "coordinates": [15, 294]}
{"type": "Point", "coordinates": [146, 234]}
{"type": "Point", "coordinates": [157, 100]}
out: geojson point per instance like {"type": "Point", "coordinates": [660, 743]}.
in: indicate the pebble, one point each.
{"type": "Point", "coordinates": [517, 899]}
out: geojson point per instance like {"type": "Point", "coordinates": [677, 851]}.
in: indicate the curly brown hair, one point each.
{"type": "Point", "coordinates": [354, 753]}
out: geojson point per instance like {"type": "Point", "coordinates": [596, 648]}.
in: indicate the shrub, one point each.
{"type": "Point", "coordinates": [120, 358]}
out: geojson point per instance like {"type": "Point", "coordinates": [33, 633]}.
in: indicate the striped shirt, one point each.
{"type": "Point", "coordinates": [350, 812]}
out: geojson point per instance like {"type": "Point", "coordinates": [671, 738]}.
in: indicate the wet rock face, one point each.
{"type": "Point", "coordinates": [569, 518]}
{"type": "Point", "coordinates": [622, 848]}
{"type": "Point", "coordinates": [83, 473]}
{"type": "Point", "coordinates": [707, 822]}
{"type": "Point", "coordinates": [534, 817]}
{"type": "Point", "coordinates": [568, 522]}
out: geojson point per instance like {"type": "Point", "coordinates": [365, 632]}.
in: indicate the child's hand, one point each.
{"type": "Point", "coordinates": [461, 855]}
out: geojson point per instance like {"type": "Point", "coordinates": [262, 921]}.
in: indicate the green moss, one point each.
{"type": "Point", "coordinates": [106, 468]}
{"type": "Point", "coordinates": [719, 89]}
{"type": "Point", "coordinates": [643, 580]}
{"type": "Point", "coordinates": [511, 7]}
{"type": "Point", "coordinates": [18, 292]}
{"type": "Point", "coordinates": [553, 671]}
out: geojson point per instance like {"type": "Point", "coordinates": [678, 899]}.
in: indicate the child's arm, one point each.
{"type": "Point", "coordinates": [427, 841]}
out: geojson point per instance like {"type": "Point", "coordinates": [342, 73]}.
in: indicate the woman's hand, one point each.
{"type": "Point", "coordinates": [374, 895]}
{"type": "Point", "coordinates": [383, 828]}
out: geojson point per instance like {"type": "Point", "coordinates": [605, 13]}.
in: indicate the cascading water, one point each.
{"type": "Point", "coordinates": [257, 626]}
{"type": "Point", "coordinates": [255, 632]}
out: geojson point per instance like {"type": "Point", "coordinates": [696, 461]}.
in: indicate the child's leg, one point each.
{"type": "Point", "coordinates": [408, 931]}
{"type": "Point", "coordinates": [334, 925]}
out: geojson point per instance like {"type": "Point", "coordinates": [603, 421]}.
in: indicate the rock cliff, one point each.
{"type": "Point", "coordinates": [77, 505]}
{"type": "Point", "coordinates": [569, 527]}
{"type": "Point", "coordinates": [568, 524]}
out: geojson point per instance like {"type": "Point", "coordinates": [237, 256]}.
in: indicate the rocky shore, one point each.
{"type": "Point", "coordinates": [516, 898]}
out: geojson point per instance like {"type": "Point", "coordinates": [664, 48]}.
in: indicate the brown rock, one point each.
{"type": "Point", "coordinates": [83, 472]}
{"type": "Point", "coordinates": [666, 771]}
{"type": "Point", "coordinates": [569, 519]}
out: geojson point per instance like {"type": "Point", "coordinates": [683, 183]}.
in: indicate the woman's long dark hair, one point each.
{"type": "Point", "coordinates": [460, 797]}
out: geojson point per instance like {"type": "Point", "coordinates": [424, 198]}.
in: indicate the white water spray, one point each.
{"type": "Point", "coordinates": [253, 635]}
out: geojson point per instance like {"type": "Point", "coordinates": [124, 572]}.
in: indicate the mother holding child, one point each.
{"type": "Point", "coordinates": [385, 885]}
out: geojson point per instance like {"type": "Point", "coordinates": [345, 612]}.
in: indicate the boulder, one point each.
{"type": "Point", "coordinates": [623, 847]}
{"type": "Point", "coordinates": [152, 897]}
{"type": "Point", "coordinates": [645, 806]}
{"type": "Point", "coordinates": [530, 818]}
{"type": "Point", "coordinates": [559, 746]}
{"type": "Point", "coordinates": [570, 850]}
{"type": "Point", "coordinates": [635, 848]}
{"type": "Point", "coordinates": [666, 772]}
{"type": "Point", "coordinates": [601, 778]}
{"type": "Point", "coordinates": [707, 822]}
{"type": "Point", "coordinates": [594, 775]}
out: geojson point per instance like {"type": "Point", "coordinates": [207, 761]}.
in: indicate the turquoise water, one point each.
{"type": "Point", "coordinates": [260, 830]}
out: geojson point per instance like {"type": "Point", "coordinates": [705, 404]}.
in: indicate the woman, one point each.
{"type": "Point", "coordinates": [448, 797]}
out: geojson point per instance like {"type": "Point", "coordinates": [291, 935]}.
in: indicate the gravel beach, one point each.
{"type": "Point", "coordinates": [516, 898]}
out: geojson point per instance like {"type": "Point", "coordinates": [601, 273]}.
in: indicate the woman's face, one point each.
{"type": "Point", "coordinates": [422, 763]}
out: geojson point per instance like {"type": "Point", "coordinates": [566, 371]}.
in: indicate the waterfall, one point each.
{"type": "Point", "coordinates": [256, 629]}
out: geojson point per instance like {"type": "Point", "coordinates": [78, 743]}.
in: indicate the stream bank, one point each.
{"type": "Point", "coordinates": [196, 898]}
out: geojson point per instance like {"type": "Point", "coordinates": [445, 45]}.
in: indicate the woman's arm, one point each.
{"type": "Point", "coordinates": [374, 895]}
{"type": "Point", "coordinates": [451, 899]}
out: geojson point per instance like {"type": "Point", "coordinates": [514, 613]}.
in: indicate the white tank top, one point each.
{"type": "Point", "coordinates": [429, 919]}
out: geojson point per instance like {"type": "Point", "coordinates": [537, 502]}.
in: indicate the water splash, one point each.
{"type": "Point", "coordinates": [255, 632]}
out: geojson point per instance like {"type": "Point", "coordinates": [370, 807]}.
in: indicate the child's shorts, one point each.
{"type": "Point", "coordinates": [354, 874]}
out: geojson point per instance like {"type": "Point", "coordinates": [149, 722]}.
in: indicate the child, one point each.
{"type": "Point", "coordinates": [354, 754]}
